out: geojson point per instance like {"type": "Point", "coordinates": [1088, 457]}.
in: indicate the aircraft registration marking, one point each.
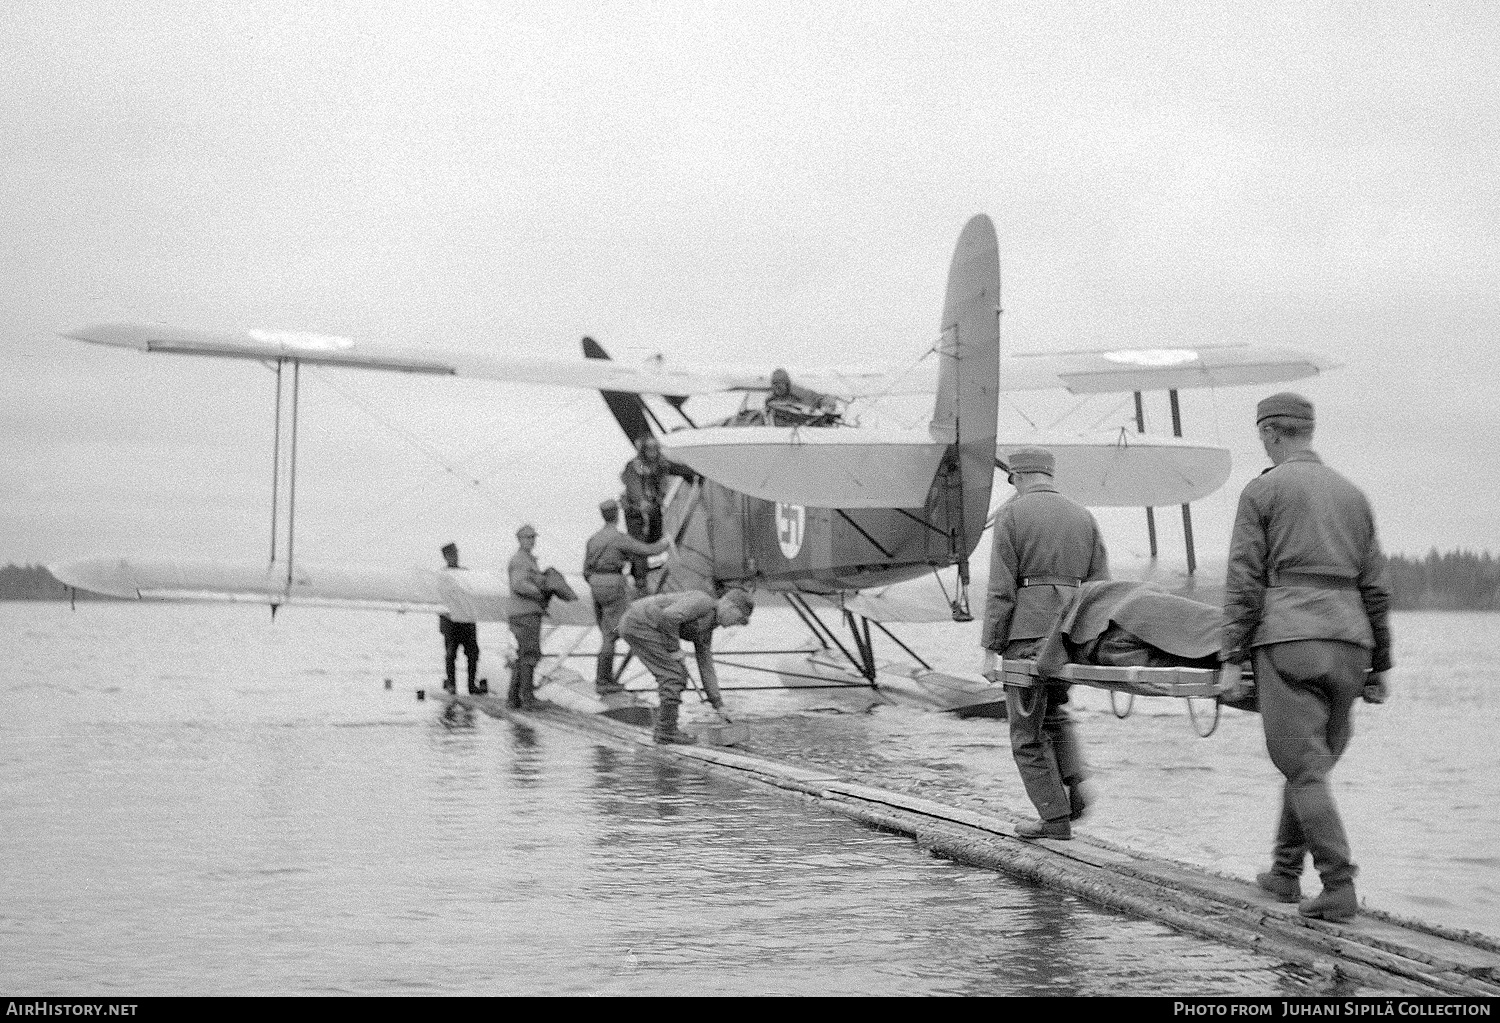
{"type": "Point", "coordinates": [791, 525]}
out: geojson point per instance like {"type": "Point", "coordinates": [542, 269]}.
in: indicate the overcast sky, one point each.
{"type": "Point", "coordinates": [758, 183]}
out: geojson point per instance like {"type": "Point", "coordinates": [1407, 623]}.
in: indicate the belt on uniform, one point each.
{"type": "Point", "coordinates": [1321, 580]}
{"type": "Point", "coordinates": [1050, 580]}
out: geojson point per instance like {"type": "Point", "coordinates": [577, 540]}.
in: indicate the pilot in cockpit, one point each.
{"type": "Point", "coordinates": [790, 405]}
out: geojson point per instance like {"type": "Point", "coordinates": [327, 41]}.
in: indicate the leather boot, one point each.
{"type": "Point", "coordinates": [666, 732]}
{"type": "Point", "coordinates": [1080, 796]}
{"type": "Point", "coordinates": [1059, 829]}
{"type": "Point", "coordinates": [1286, 889]}
{"type": "Point", "coordinates": [1337, 904]}
{"type": "Point", "coordinates": [513, 694]}
{"type": "Point", "coordinates": [527, 694]}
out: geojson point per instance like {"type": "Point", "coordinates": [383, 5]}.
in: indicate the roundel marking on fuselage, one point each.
{"type": "Point", "coordinates": [791, 523]}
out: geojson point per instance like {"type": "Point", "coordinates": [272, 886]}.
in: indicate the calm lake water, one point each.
{"type": "Point", "coordinates": [196, 801]}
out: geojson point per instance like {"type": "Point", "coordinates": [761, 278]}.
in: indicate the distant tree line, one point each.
{"type": "Point", "coordinates": [1455, 581]}
{"type": "Point", "coordinates": [34, 582]}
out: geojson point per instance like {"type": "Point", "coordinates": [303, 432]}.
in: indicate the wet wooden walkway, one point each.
{"type": "Point", "coordinates": [1376, 950]}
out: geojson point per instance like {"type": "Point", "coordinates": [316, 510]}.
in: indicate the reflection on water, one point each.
{"type": "Point", "coordinates": [1417, 788]}
{"type": "Point", "coordinates": [203, 803]}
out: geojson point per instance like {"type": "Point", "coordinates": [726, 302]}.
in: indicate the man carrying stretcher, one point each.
{"type": "Point", "coordinates": [1045, 546]}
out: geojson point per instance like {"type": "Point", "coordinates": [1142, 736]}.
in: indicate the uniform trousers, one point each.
{"type": "Point", "coordinates": [527, 629]}
{"type": "Point", "coordinates": [1043, 739]}
{"type": "Point", "coordinates": [456, 635]}
{"type": "Point", "coordinates": [1307, 689]}
{"type": "Point", "coordinates": [647, 529]}
{"type": "Point", "coordinates": [663, 655]}
{"type": "Point", "coordinates": [611, 599]}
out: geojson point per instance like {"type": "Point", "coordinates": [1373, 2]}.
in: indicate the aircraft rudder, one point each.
{"type": "Point", "coordinates": [966, 409]}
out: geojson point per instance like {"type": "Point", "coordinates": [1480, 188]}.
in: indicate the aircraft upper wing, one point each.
{"type": "Point", "coordinates": [1125, 369]}
{"type": "Point", "coordinates": [653, 376]}
{"type": "Point", "coordinates": [470, 595]}
{"type": "Point", "coordinates": [1158, 369]}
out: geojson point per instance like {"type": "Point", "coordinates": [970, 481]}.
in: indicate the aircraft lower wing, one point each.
{"type": "Point", "coordinates": [819, 467]}
{"type": "Point", "coordinates": [469, 595]}
{"type": "Point", "coordinates": [1124, 369]}
{"type": "Point", "coordinates": [1120, 469]}
{"type": "Point", "coordinates": [869, 468]}
{"type": "Point", "coordinates": [927, 599]}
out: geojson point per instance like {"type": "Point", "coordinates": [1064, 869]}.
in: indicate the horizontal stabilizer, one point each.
{"type": "Point", "coordinates": [1128, 470]}
{"type": "Point", "coordinates": [469, 595]}
{"type": "Point", "coordinates": [816, 467]}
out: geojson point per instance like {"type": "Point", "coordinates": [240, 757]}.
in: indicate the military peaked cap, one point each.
{"type": "Point", "coordinates": [1293, 406]}
{"type": "Point", "coordinates": [1031, 460]}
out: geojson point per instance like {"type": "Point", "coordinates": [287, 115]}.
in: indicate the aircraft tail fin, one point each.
{"type": "Point", "coordinates": [967, 406]}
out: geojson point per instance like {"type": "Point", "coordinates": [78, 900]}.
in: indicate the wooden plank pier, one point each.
{"type": "Point", "coordinates": [1378, 951]}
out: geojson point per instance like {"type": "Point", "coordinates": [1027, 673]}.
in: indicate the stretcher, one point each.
{"type": "Point", "coordinates": [1208, 685]}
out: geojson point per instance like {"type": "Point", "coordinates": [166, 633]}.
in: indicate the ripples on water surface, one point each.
{"type": "Point", "coordinates": [195, 801]}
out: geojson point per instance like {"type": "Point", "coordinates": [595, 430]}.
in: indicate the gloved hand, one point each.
{"type": "Point", "coordinates": [1232, 683]}
{"type": "Point", "coordinates": [988, 664]}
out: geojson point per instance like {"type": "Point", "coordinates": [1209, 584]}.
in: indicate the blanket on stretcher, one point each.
{"type": "Point", "coordinates": [1126, 624]}
{"type": "Point", "coordinates": [1130, 625]}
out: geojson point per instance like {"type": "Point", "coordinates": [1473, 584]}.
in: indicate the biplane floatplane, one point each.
{"type": "Point", "coordinates": [854, 528]}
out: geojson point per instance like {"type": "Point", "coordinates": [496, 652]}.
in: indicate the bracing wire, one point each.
{"type": "Point", "coordinates": [451, 468]}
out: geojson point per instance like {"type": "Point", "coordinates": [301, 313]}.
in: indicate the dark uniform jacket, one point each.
{"type": "Point", "coordinates": [679, 616]}
{"type": "Point", "coordinates": [525, 577]}
{"type": "Point", "coordinates": [606, 552]}
{"type": "Point", "coordinates": [688, 615]}
{"type": "Point", "coordinates": [1304, 563]}
{"type": "Point", "coordinates": [1039, 535]}
{"type": "Point", "coordinates": [646, 485]}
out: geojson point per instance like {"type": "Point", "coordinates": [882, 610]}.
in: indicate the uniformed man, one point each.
{"type": "Point", "coordinates": [646, 477]}
{"type": "Point", "coordinates": [604, 559]}
{"type": "Point", "coordinates": [528, 603]}
{"type": "Point", "coordinates": [790, 405]}
{"type": "Point", "coordinates": [1045, 546]}
{"type": "Point", "coordinates": [458, 634]}
{"type": "Point", "coordinates": [653, 628]}
{"type": "Point", "coordinates": [1306, 599]}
